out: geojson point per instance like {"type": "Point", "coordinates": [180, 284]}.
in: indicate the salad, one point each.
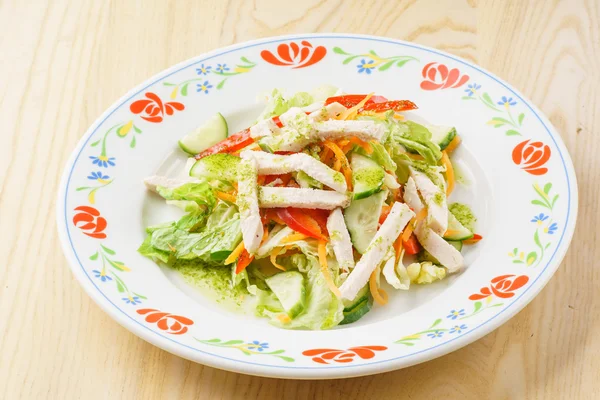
{"type": "Point", "coordinates": [308, 215]}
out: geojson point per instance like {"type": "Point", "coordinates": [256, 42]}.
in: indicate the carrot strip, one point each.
{"type": "Point", "coordinates": [325, 269]}
{"type": "Point", "coordinates": [414, 156]}
{"type": "Point", "coordinates": [339, 154]}
{"type": "Point", "coordinates": [293, 238]}
{"type": "Point", "coordinates": [449, 172]}
{"type": "Point", "coordinates": [352, 112]}
{"type": "Point", "coordinates": [413, 223]}
{"type": "Point", "coordinates": [453, 144]}
{"type": "Point", "coordinates": [326, 155]}
{"type": "Point", "coordinates": [337, 165]}
{"type": "Point", "coordinates": [235, 253]}
{"type": "Point", "coordinates": [398, 246]}
{"type": "Point", "coordinates": [379, 295]}
{"type": "Point", "coordinates": [225, 196]}
{"type": "Point", "coordinates": [365, 145]}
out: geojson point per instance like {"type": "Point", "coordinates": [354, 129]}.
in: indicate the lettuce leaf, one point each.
{"type": "Point", "coordinates": [425, 272]}
{"type": "Point", "coordinates": [323, 309]}
{"type": "Point", "coordinates": [147, 250]}
{"type": "Point", "coordinates": [277, 104]}
{"type": "Point", "coordinates": [200, 193]}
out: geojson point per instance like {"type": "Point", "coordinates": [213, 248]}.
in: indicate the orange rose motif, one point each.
{"type": "Point", "coordinates": [153, 108]}
{"type": "Point", "coordinates": [88, 219]}
{"type": "Point", "coordinates": [439, 77]}
{"type": "Point", "coordinates": [532, 156]}
{"type": "Point", "coordinates": [501, 286]}
{"type": "Point", "coordinates": [293, 55]}
{"type": "Point", "coordinates": [323, 356]}
{"type": "Point", "coordinates": [173, 324]}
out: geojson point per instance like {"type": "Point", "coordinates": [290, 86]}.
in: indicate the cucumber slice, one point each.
{"type": "Point", "coordinates": [305, 181]}
{"type": "Point", "coordinates": [362, 295]}
{"type": "Point", "coordinates": [367, 176]}
{"type": "Point", "coordinates": [456, 230]}
{"type": "Point", "coordinates": [208, 134]}
{"type": "Point", "coordinates": [442, 135]}
{"type": "Point", "coordinates": [216, 166]}
{"type": "Point", "coordinates": [357, 312]}
{"type": "Point", "coordinates": [289, 289]}
{"type": "Point", "coordinates": [362, 219]}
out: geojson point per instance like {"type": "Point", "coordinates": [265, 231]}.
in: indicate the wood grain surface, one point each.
{"type": "Point", "coordinates": [63, 63]}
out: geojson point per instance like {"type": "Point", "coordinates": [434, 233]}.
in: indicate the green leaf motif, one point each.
{"type": "Point", "coordinates": [94, 256]}
{"type": "Point", "coordinates": [120, 286]}
{"type": "Point", "coordinates": [337, 50]}
{"type": "Point", "coordinates": [402, 62]}
{"type": "Point", "coordinates": [132, 144]}
{"type": "Point", "coordinates": [521, 117]}
{"type": "Point", "coordinates": [277, 352]}
{"type": "Point", "coordinates": [531, 257]}
{"type": "Point", "coordinates": [539, 203]}
{"type": "Point", "coordinates": [436, 323]}
{"type": "Point", "coordinates": [107, 250]}
{"type": "Point", "coordinates": [477, 307]}
{"type": "Point", "coordinates": [232, 342]}
{"type": "Point", "coordinates": [373, 53]}
{"type": "Point", "coordinates": [468, 98]}
{"type": "Point", "coordinates": [486, 97]}
{"type": "Point", "coordinates": [518, 262]}
{"type": "Point", "coordinates": [285, 358]}
{"type": "Point", "coordinates": [347, 60]}
{"type": "Point", "coordinates": [512, 132]}
{"type": "Point", "coordinates": [168, 84]}
{"type": "Point", "coordinates": [244, 59]}
{"type": "Point", "coordinates": [547, 187]}
{"type": "Point", "coordinates": [387, 65]}
{"type": "Point", "coordinates": [96, 143]}
{"type": "Point", "coordinates": [554, 201]}
{"type": "Point", "coordinates": [79, 189]}
{"type": "Point", "coordinates": [220, 85]}
{"type": "Point", "coordinates": [184, 89]}
{"type": "Point", "coordinates": [211, 341]}
{"type": "Point", "coordinates": [137, 130]}
{"type": "Point", "coordinates": [536, 239]}
{"type": "Point", "coordinates": [140, 296]}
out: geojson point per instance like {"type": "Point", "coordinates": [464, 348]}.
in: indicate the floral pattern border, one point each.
{"type": "Point", "coordinates": [531, 157]}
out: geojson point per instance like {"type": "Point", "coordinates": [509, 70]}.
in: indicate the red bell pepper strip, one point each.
{"type": "Point", "coordinates": [301, 222]}
{"type": "Point", "coordinates": [350, 100]}
{"type": "Point", "coordinates": [243, 261]}
{"type": "Point", "coordinates": [396, 105]}
{"type": "Point", "coordinates": [411, 246]}
{"type": "Point", "coordinates": [476, 238]}
{"type": "Point", "coordinates": [229, 145]}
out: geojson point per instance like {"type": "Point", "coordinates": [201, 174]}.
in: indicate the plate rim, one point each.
{"type": "Point", "coordinates": [320, 372]}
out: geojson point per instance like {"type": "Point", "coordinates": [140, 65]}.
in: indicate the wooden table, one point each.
{"type": "Point", "coordinates": [63, 63]}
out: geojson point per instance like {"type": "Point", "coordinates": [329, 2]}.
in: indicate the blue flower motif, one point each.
{"type": "Point", "coordinates": [472, 89]}
{"type": "Point", "coordinates": [256, 345]}
{"type": "Point", "coordinates": [102, 275]}
{"type": "Point", "coordinates": [507, 102]}
{"type": "Point", "coordinates": [95, 176]}
{"type": "Point", "coordinates": [365, 66]}
{"type": "Point", "coordinates": [456, 313]}
{"type": "Point", "coordinates": [222, 68]}
{"type": "Point", "coordinates": [539, 218]}
{"type": "Point", "coordinates": [203, 87]}
{"type": "Point", "coordinates": [436, 334]}
{"type": "Point", "coordinates": [551, 229]}
{"type": "Point", "coordinates": [132, 300]}
{"type": "Point", "coordinates": [203, 70]}
{"type": "Point", "coordinates": [458, 328]}
{"type": "Point", "coordinates": [103, 161]}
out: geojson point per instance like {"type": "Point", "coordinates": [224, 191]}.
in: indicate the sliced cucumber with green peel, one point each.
{"type": "Point", "coordinates": [362, 219]}
{"type": "Point", "coordinates": [216, 166]}
{"type": "Point", "coordinates": [442, 135]}
{"type": "Point", "coordinates": [456, 230]}
{"type": "Point", "coordinates": [367, 176]}
{"type": "Point", "coordinates": [289, 289]}
{"type": "Point", "coordinates": [357, 312]}
{"type": "Point", "coordinates": [362, 295]}
{"type": "Point", "coordinates": [208, 134]}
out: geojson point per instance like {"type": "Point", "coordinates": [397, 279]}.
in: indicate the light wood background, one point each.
{"type": "Point", "coordinates": [63, 63]}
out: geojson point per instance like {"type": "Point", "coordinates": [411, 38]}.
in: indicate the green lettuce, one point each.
{"type": "Point", "coordinates": [200, 193]}
{"type": "Point", "coordinates": [278, 104]}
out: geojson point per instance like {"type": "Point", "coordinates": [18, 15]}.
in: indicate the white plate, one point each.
{"type": "Point", "coordinates": [520, 182]}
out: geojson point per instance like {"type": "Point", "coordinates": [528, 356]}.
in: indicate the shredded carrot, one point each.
{"type": "Point", "coordinates": [365, 145]}
{"type": "Point", "coordinates": [325, 268]}
{"type": "Point", "coordinates": [398, 245]}
{"type": "Point", "coordinates": [273, 258]}
{"type": "Point", "coordinates": [453, 144]}
{"type": "Point", "coordinates": [339, 154]}
{"type": "Point", "coordinates": [272, 216]}
{"type": "Point", "coordinates": [265, 234]}
{"type": "Point", "coordinates": [293, 238]}
{"type": "Point", "coordinates": [226, 196]}
{"type": "Point", "coordinates": [347, 147]}
{"type": "Point", "coordinates": [414, 156]}
{"type": "Point", "coordinates": [234, 184]}
{"type": "Point", "coordinates": [326, 155]}
{"type": "Point", "coordinates": [449, 172]}
{"type": "Point", "coordinates": [450, 232]}
{"type": "Point", "coordinates": [343, 142]}
{"type": "Point", "coordinates": [379, 295]}
{"type": "Point", "coordinates": [399, 116]}
{"type": "Point", "coordinates": [235, 253]}
{"type": "Point", "coordinates": [352, 112]}
{"type": "Point", "coordinates": [413, 222]}
{"type": "Point", "coordinates": [337, 165]}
